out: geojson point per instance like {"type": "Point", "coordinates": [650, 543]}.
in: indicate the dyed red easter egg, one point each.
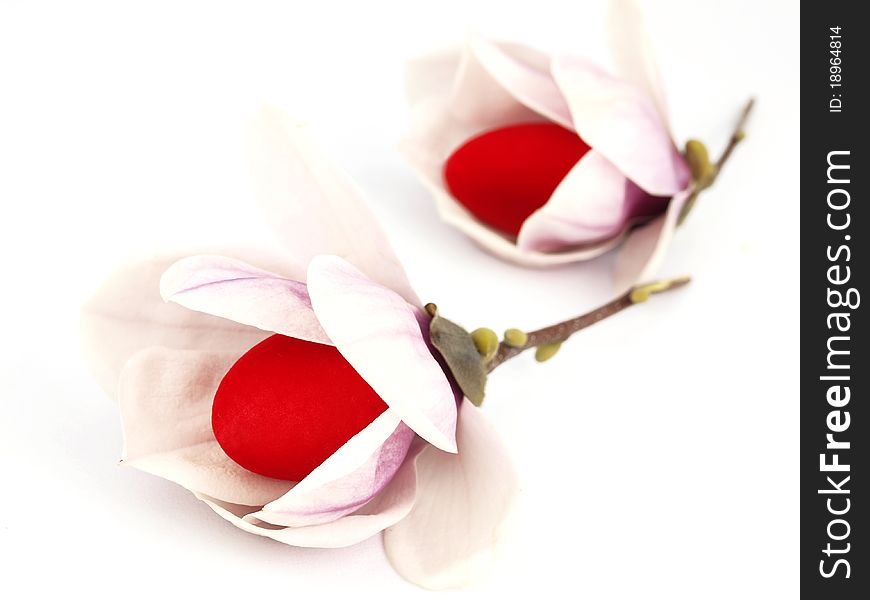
{"type": "Point", "coordinates": [504, 175]}
{"type": "Point", "coordinates": [287, 405]}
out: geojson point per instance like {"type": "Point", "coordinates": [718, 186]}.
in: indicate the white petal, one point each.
{"type": "Point", "coordinates": [230, 288]}
{"type": "Point", "coordinates": [479, 101]}
{"type": "Point", "coordinates": [378, 333]}
{"type": "Point", "coordinates": [632, 50]}
{"type": "Point", "coordinates": [646, 247]}
{"type": "Point", "coordinates": [127, 314]}
{"type": "Point", "coordinates": [165, 397]}
{"type": "Point", "coordinates": [462, 503]}
{"type": "Point", "coordinates": [525, 74]}
{"type": "Point", "coordinates": [431, 75]}
{"type": "Point", "coordinates": [314, 206]}
{"type": "Point", "coordinates": [456, 96]}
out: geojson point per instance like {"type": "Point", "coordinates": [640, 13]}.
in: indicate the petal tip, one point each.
{"type": "Point", "coordinates": [449, 446]}
{"type": "Point", "coordinates": [167, 287]}
{"type": "Point", "coordinates": [173, 278]}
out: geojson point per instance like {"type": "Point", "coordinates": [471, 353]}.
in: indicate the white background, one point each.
{"type": "Point", "coordinates": [658, 451]}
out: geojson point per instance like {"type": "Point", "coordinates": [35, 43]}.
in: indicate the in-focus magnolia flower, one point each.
{"type": "Point", "coordinates": [546, 160]}
{"type": "Point", "coordinates": [303, 403]}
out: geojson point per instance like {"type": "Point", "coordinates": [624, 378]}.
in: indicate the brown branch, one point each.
{"type": "Point", "coordinates": [562, 331]}
{"type": "Point", "coordinates": [737, 136]}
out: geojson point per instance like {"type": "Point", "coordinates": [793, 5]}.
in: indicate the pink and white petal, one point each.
{"type": "Point", "coordinates": [232, 289]}
{"type": "Point", "coordinates": [621, 122]}
{"type": "Point", "coordinates": [377, 332]}
{"type": "Point", "coordinates": [390, 506]}
{"type": "Point", "coordinates": [435, 131]}
{"type": "Point", "coordinates": [524, 73]}
{"type": "Point", "coordinates": [433, 135]}
{"type": "Point", "coordinates": [165, 399]}
{"type": "Point", "coordinates": [588, 206]}
{"type": "Point", "coordinates": [645, 247]}
{"type": "Point", "coordinates": [455, 96]}
{"type": "Point", "coordinates": [348, 479]}
{"type": "Point", "coordinates": [455, 214]}
{"type": "Point", "coordinates": [314, 206]}
{"type": "Point", "coordinates": [632, 50]}
{"type": "Point", "coordinates": [431, 75]}
{"type": "Point", "coordinates": [480, 102]}
{"type": "Point", "coordinates": [445, 114]}
{"type": "Point", "coordinates": [463, 501]}
{"type": "Point", "coordinates": [127, 314]}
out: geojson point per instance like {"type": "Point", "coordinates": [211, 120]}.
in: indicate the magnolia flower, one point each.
{"type": "Point", "coordinates": [303, 403]}
{"type": "Point", "coordinates": [547, 160]}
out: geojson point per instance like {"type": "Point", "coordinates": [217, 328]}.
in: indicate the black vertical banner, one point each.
{"type": "Point", "coordinates": [835, 339]}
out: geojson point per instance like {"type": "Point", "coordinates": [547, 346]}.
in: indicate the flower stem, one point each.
{"type": "Point", "coordinates": [558, 333]}
{"type": "Point", "coordinates": [737, 136]}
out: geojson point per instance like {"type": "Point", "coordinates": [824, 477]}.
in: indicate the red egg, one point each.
{"type": "Point", "coordinates": [287, 405]}
{"type": "Point", "coordinates": [504, 175]}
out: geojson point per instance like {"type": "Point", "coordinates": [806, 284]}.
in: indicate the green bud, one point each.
{"type": "Point", "coordinates": [642, 293]}
{"type": "Point", "coordinates": [639, 295]}
{"type": "Point", "coordinates": [515, 338]}
{"type": "Point", "coordinates": [486, 342]}
{"type": "Point", "coordinates": [547, 351]}
{"type": "Point", "coordinates": [698, 158]}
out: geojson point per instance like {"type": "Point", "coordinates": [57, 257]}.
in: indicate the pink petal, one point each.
{"type": "Point", "coordinates": [378, 333]}
{"type": "Point", "coordinates": [165, 398]}
{"type": "Point", "coordinates": [462, 502]}
{"type": "Point", "coordinates": [314, 206]}
{"type": "Point", "coordinates": [391, 505]}
{"type": "Point", "coordinates": [622, 123]}
{"type": "Point", "coordinates": [348, 479]}
{"type": "Point", "coordinates": [127, 315]}
{"type": "Point", "coordinates": [645, 247]}
{"type": "Point", "coordinates": [234, 290]}
{"type": "Point", "coordinates": [632, 50]}
{"type": "Point", "coordinates": [524, 73]}
{"type": "Point", "coordinates": [588, 206]}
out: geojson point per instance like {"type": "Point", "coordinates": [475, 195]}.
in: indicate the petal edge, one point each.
{"type": "Point", "coordinates": [377, 332]}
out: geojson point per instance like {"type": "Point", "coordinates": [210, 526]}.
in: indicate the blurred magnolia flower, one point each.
{"type": "Point", "coordinates": [303, 403]}
{"type": "Point", "coordinates": [547, 160]}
